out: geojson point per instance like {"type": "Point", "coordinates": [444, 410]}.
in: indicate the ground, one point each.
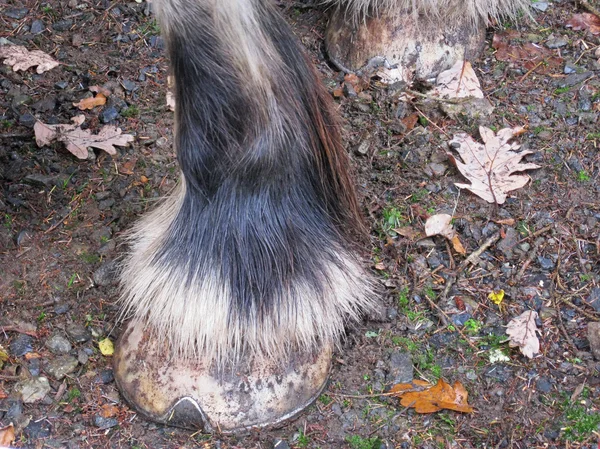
{"type": "Point", "coordinates": [63, 222]}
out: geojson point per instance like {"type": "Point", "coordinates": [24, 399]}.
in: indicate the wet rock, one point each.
{"type": "Point", "coordinates": [552, 434]}
{"type": "Point", "coordinates": [61, 308]}
{"type": "Point", "coordinates": [350, 420]}
{"type": "Point", "coordinates": [78, 332]}
{"type": "Point", "coordinates": [77, 40]}
{"type": "Point", "coordinates": [461, 318]}
{"type": "Point", "coordinates": [109, 114]}
{"type": "Point", "coordinates": [16, 13]}
{"type": "Point", "coordinates": [106, 376]}
{"type": "Point", "coordinates": [62, 25]}
{"type": "Point", "coordinates": [40, 180]}
{"type": "Point", "coordinates": [593, 336]}
{"type": "Point", "coordinates": [33, 366]}
{"type": "Point", "coordinates": [129, 86]}
{"type": "Point", "coordinates": [508, 243]}
{"type": "Point", "coordinates": [45, 105]}
{"type": "Point", "coordinates": [543, 385]}
{"type": "Point", "coordinates": [100, 196]}
{"type": "Point", "coordinates": [58, 344]}
{"type": "Point", "coordinates": [105, 423]}
{"type": "Point", "coordinates": [61, 85]}
{"type": "Point", "coordinates": [400, 368]}
{"type": "Point", "coordinates": [574, 79]}
{"type": "Point", "coordinates": [61, 366]}
{"type": "Point", "coordinates": [106, 274]}
{"type": "Point", "coordinates": [21, 345]}
{"type": "Point", "coordinates": [38, 429]}
{"type": "Point", "coordinates": [82, 357]}
{"type": "Point", "coordinates": [33, 390]}
{"type": "Point", "coordinates": [593, 299]}
{"type": "Point", "coordinates": [37, 27]}
{"type": "Point", "coordinates": [336, 409]}
{"type": "Point", "coordinates": [435, 169]}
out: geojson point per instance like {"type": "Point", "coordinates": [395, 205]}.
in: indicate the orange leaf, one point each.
{"type": "Point", "coordinates": [7, 435]}
{"type": "Point", "coordinates": [458, 246]}
{"type": "Point", "coordinates": [109, 410]}
{"type": "Point", "coordinates": [433, 399]}
{"type": "Point", "coordinates": [91, 102]}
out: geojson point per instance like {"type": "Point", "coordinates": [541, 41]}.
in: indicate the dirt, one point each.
{"type": "Point", "coordinates": [63, 221]}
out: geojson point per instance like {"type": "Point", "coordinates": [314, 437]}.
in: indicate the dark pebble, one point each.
{"type": "Point", "coordinates": [62, 25]}
{"type": "Point", "coordinates": [574, 79]}
{"type": "Point", "coordinates": [106, 274]}
{"type": "Point", "coordinates": [461, 318]}
{"type": "Point", "coordinates": [109, 114]}
{"type": "Point", "coordinates": [59, 309]}
{"type": "Point", "coordinates": [594, 299]}
{"type": "Point", "coordinates": [543, 385]}
{"type": "Point", "coordinates": [34, 367]}
{"type": "Point", "coordinates": [552, 434]}
{"type": "Point", "coordinates": [157, 42]}
{"type": "Point", "coordinates": [78, 332]}
{"type": "Point", "coordinates": [105, 423]}
{"type": "Point", "coordinates": [40, 180]}
{"type": "Point", "coordinates": [23, 237]}
{"type": "Point", "coordinates": [106, 376]}
{"type": "Point", "coordinates": [400, 368]}
{"type": "Point", "coordinates": [129, 86]}
{"type": "Point", "coordinates": [27, 120]}
{"type": "Point", "coordinates": [13, 407]}
{"type": "Point", "coordinates": [37, 27]}
{"type": "Point", "coordinates": [21, 345]}
{"type": "Point", "coordinates": [545, 263]}
{"type": "Point", "coordinates": [16, 13]}
{"type": "Point", "coordinates": [106, 204]}
{"type": "Point", "coordinates": [102, 195]}
{"type": "Point", "coordinates": [38, 429]}
{"type": "Point", "coordinates": [61, 85]}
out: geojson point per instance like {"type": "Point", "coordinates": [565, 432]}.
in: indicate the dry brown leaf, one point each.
{"type": "Point", "coordinates": [22, 59]}
{"type": "Point", "coordinates": [109, 410]}
{"type": "Point", "coordinates": [529, 55]}
{"type": "Point", "coordinates": [7, 435]}
{"type": "Point", "coordinates": [431, 399]}
{"type": "Point", "coordinates": [91, 102]}
{"type": "Point", "coordinates": [460, 81]}
{"type": "Point", "coordinates": [457, 245]}
{"type": "Point", "coordinates": [522, 332]}
{"type": "Point", "coordinates": [409, 232]}
{"type": "Point", "coordinates": [441, 224]}
{"type": "Point", "coordinates": [78, 140]}
{"type": "Point", "coordinates": [585, 21]}
{"type": "Point", "coordinates": [491, 167]}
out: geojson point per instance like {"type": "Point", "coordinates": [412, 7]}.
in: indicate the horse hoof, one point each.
{"type": "Point", "coordinates": [190, 394]}
{"type": "Point", "coordinates": [411, 47]}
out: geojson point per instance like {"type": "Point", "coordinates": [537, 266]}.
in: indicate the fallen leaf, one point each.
{"type": "Point", "coordinates": [457, 245]}
{"type": "Point", "coordinates": [496, 297]}
{"type": "Point", "coordinates": [3, 356]}
{"type": "Point", "coordinates": [441, 224]}
{"type": "Point", "coordinates": [106, 347]}
{"type": "Point", "coordinates": [585, 21]}
{"type": "Point", "coordinates": [529, 55]}
{"type": "Point", "coordinates": [410, 121]}
{"type": "Point", "coordinates": [22, 59]}
{"type": "Point", "coordinates": [409, 232]}
{"type": "Point", "coordinates": [522, 333]}
{"type": "Point", "coordinates": [460, 81]}
{"type": "Point", "coordinates": [434, 398]}
{"type": "Point", "coordinates": [460, 304]}
{"type": "Point", "coordinates": [100, 90]}
{"type": "Point", "coordinates": [491, 167]}
{"type": "Point", "coordinates": [109, 410]}
{"type": "Point", "coordinates": [7, 435]}
{"type": "Point", "coordinates": [78, 140]}
{"type": "Point", "coordinates": [91, 102]}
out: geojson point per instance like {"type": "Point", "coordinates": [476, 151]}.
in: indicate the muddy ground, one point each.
{"type": "Point", "coordinates": [62, 222]}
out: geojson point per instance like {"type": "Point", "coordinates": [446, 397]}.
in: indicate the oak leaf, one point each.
{"type": "Point", "coordinates": [522, 332]}
{"type": "Point", "coordinates": [530, 56]}
{"type": "Point", "coordinates": [22, 59]}
{"type": "Point", "coordinates": [460, 81]}
{"type": "Point", "coordinates": [492, 166]}
{"type": "Point", "coordinates": [425, 398]}
{"type": "Point", "coordinates": [78, 140]}
{"type": "Point", "coordinates": [441, 224]}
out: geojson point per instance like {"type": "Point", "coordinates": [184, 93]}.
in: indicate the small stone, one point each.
{"type": "Point", "coordinates": [400, 368]}
{"type": "Point", "coordinates": [543, 385]}
{"type": "Point", "coordinates": [129, 86]}
{"type": "Point", "coordinates": [62, 25]}
{"type": "Point", "coordinates": [13, 407]}
{"type": "Point", "coordinates": [78, 332]}
{"type": "Point", "coordinates": [33, 366]}
{"type": "Point", "coordinates": [510, 240]}
{"type": "Point", "coordinates": [105, 423]}
{"type": "Point", "coordinates": [281, 444]}
{"type": "Point", "coordinates": [27, 120]}
{"type": "Point", "coordinates": [102, 195]}
{"type": "Point", "coordinates": [557, 42]}
{"type": "Point", "coordinates": [545, 263]}
{"type": "Point", "coordinates": [58, 344]}
{"type": "Point", "coordinates": [33, 390]}
{"type": "Point", "coordinates": [106, 376]}
{"type": "Point", "coordinates": [37, 27]}
{"type": "Point", "coordinates": [436, 169]}
{"type": "Point", "coordinates": [593, 335]}
{"type": "Point", "coordinates": [461, 318]}
{"type": "Point", "coordinates": [61, 366]}
{"type": "Point", "coordinates": [21, 345]}
{"type": "Point", "coordinates": [45, 105]}
{"type": "Point", "coordinates": [336, 409]}
{"type": "Point", "coordinates": [106, 204]}
{"type": "Point", "coordinates": [109, 114]}
{"type": "Point", "coordinates": [62, 308]}
{"type": "Point", "coordinates": [82, 357]}
{"type": "Point", "coordinates": [40, 180]}
{"type": "Point", "coordinates": [16, 13]}
{"type": "Point", "coordinates": [594, 299]}
{"type": "Point", "coordinates": [61, 85]}
{"type": "Point", "coordinates": [38, 429]}
{"type": "Point", "coordinates": [77, 40]}
{"type": "Point", "coordinates": [574, 79]}
{"type": "Point", "coordinates": [105, 275]}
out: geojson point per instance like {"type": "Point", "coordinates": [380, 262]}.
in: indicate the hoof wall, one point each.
{"type": "Point", "coordinates": [184, 393]}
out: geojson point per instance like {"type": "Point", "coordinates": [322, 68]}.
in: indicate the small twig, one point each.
{"type": "Point", "coordinates": [537, 233]}
{"type": "Point", "coordinates": [531, 71]}
{"type": "Point", "coordinates": [532, 255]}
{"type": "Point", "coordinates": [12, 328]}
{"type": "Point", "coordinates": [475, 255]}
